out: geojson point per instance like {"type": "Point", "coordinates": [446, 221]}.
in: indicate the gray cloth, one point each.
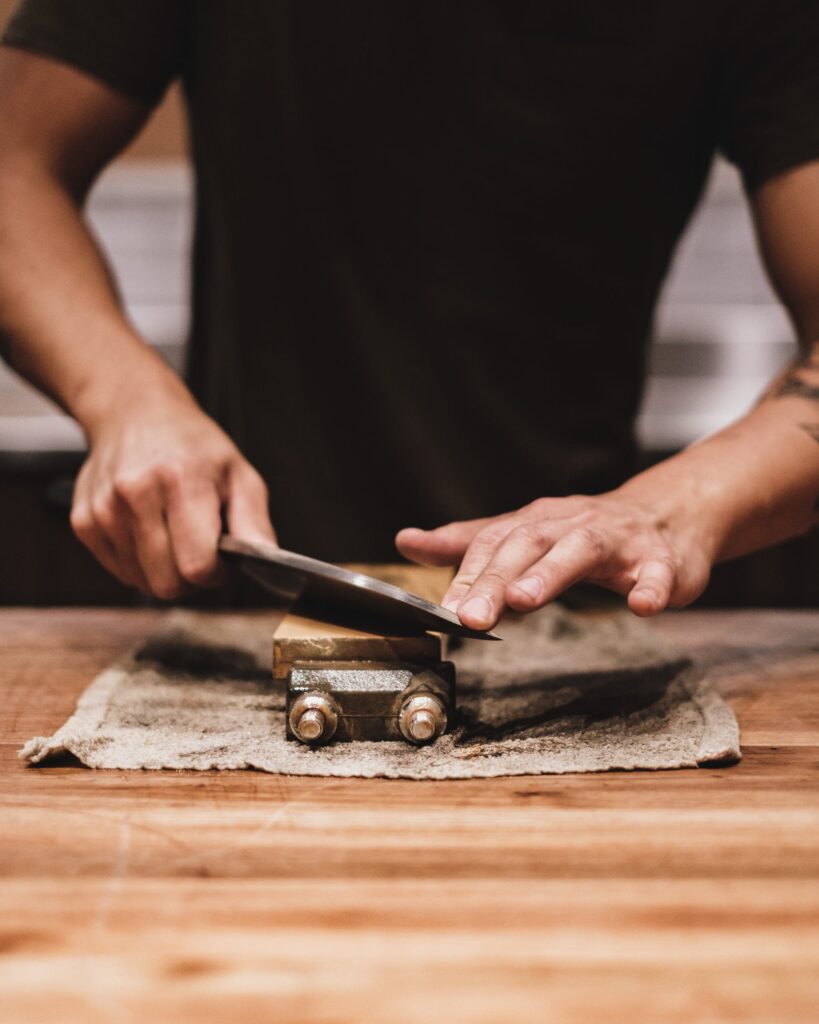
{"type": "Point", "coordinates": [564, 692]}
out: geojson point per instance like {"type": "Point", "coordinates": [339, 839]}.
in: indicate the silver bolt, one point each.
{"type": "Point", "coordinates": [313, 717]}
{"type": "Point", "coordinates": [421, 726]}
{"type": "Point", "coordinates": [311, 725]}
{"type": "Point", "coordinates": [422, 718]}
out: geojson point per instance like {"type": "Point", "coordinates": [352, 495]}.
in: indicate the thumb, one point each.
{"type": "Point", "coordinates": [246, 505]}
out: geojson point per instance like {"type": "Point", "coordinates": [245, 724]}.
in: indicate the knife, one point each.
{"type": "Point", "coordinates": [340, 596]}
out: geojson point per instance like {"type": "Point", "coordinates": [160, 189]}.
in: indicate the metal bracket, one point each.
{"type": "Point", "coordinates": [369, 700]}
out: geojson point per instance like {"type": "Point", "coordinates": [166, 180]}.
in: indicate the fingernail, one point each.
{"type": "Point", "coordinates": [530, 586]}
{"type": "Point", "coordinates": [477, 608]}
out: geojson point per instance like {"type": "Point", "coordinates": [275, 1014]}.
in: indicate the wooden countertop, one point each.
{"type": "Point", "coordinates": [684, 896]}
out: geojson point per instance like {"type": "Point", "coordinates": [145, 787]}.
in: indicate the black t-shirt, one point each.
{"type": "Point", "coordinates": [430, 234]}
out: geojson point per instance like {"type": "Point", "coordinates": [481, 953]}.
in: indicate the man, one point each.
{"type": "Point", "coordinates": [430, 236]}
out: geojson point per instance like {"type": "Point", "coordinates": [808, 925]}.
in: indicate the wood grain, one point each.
{"type": "Point", "coordinates": [684, 896]}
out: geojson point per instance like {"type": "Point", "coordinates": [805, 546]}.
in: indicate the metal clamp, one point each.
{"type": "Point", "coordinates": [368, 700]}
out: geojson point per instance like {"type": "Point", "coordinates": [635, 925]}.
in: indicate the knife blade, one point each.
{"type": "Point", "coordinates": [340, 596]}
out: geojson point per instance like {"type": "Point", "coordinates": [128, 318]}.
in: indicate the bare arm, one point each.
{"type": "Point", "coordinates": [148, 499]}
{"type": "Point", "coordinates": [59, 312]}
{"type": "Point", "coordinates": [655, 538]}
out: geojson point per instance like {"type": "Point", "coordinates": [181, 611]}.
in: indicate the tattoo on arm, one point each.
{"type": "Point", "coordinates": [799, 380]}
{"type": "Point", "coordinates": [793, 385]}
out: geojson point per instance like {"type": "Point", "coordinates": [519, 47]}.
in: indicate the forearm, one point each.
{"type": "Point", "coordinates": [752, 485]}
{"type": "Point", "coordinates": [161, 478]}
{"type": "Point", "coordinates": [62, 324]}
{"type": "Point", "coordinates": [655, 539]}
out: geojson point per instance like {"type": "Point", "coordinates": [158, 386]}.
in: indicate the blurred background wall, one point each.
{"type": "Point", "coordinates": [720, 336]}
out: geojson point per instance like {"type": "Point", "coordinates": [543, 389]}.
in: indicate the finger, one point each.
{"type": "Point", "coordinates": [194, 526]}
{"type": "Point", "coordinates": [524, 545]}
{"type": "Point", "coordinates": [155, 554]}
{"type": "Point", "coordinates": [88, 532]}
{"type": "Point", "coordinates": [97, 524]}
{"type": "Point", "coordinates": [653, 587]}
{"type": "Point", "coordinates": [444, 545]}
{"type": "Point", "coordinates": [113, 521]}
{"type": "Point", "coordinates": [141, 505]}
{"type": "Point", "coordinates": [248, 513]}
{"type": "Point", "coordinates": [580, 553]}
{"type": "Point", "coordinates": [477, 557]}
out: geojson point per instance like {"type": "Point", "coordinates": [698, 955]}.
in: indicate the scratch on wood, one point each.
{"type": "Point", "coordinates": [118, 873]}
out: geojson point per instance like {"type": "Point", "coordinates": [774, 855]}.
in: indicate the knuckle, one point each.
{"type": "Point", "coordinates": [583, 512]}
{"type": "Point", "coordinates": [590, 538]}
{"type": "Point", "coordinates": [135, 488]}
{"type": "Point", "coordinates": [103, 512]}
{"type": "Point", "coordinates": [493, 577]}
{"type": "Point", "coordinates": [667, 558]}
{"type": "Point", "coordinates": [82, 522]}
{"type": "Point", "coordinates": [172, 473]}
{"type": "Point", "coordinates": [531, 534]}
{"type": "Point", "coordinates": [541, 505]}
{"type": "Point", "coordinates": [550, 570]}
{"type": "Point", "coordinates": [464, 581]}
{"type": "Point", "coordinates": [247, 474]}
{"type": "Point", "coordinates": [197, 569]}
{"type": "Point", "coordinates": [490, 536]}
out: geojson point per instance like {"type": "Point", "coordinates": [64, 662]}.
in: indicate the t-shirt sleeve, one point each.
{"type": "Point", "coordinates": [134, 46]}
{"type": "Point", "coordinates": [770, 105]}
